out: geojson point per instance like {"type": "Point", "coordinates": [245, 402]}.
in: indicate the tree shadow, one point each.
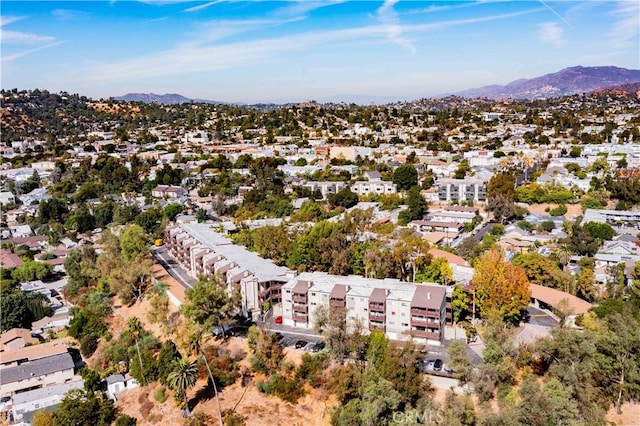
{"type": "Point", "coordinates": [202, 395]}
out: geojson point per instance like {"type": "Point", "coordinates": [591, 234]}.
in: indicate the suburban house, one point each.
{"type": "Point", "coordinates": [37, 399]}
{"type": "Point", "coordinates": [399, 309]}
{"type": "Point", "coordinates": [117, 383]}
{"type": "Point", "coordinates": [16, 338]}
{"type": "Point", "coordinates": [168, 191]}
{"type": "Point", "coordinates": [36, 374]}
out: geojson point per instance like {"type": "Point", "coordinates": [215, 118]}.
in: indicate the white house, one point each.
{"type": "Point", "coordinates": [117, 383]}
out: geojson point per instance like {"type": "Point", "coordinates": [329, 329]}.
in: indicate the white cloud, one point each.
{"type": "Point", "coordinates": [626, 28]}
{"type": "Point", "coordinates": [66, 14]}
{"type": "Point", "coordinates": [199, 55]}
{"type": "Point", "coordinates": [551, 32]}
{"type": "Point", "coordinates": [202, 6]}
{"type": "Point", "coordinates": [14, 56]}
{"type": "Point", "coordinates": [389, 18]}
{"type": "Point", "coordinates": [19, 37]}
{"type": "Point", "coordinates": [6, 20]}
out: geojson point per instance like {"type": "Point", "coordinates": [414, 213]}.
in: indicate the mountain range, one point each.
{"type": "Point", "coordinates": [568, 81]}
{"type": "Point", "coordinates": [168, 98]}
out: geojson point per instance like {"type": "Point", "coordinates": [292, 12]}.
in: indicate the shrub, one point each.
{"type": "Point", "coordinates": [125, 420]}
{"type": "Point", "coordinates": [160, 395]}
{"type": "Point", "coordinates": [289, 390]}
{"type": "Point", "coordinates": [311, 368]}
{"type": "Point", "coordinates": [231, 418]}
{"type": "Point", "coordinates": [88, 345]}
{"type": "Point", "coordinates": [558, 211]}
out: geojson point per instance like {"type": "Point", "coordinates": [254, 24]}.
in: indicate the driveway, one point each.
{"type": "Point", "coordinates": [174, 269]}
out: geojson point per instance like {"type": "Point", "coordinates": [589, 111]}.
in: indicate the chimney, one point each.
{"type": "Point", "coordinates": [428, 295]}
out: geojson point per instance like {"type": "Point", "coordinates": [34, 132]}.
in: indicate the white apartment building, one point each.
{"type": "Point", "coordinates": [401, 310]}
{"type": "Point", "coordinates": [468, 189]}
{"type": "Point", "coordinates": [364, 187]}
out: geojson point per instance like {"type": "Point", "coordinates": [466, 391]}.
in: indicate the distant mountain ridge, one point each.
{"type": "Point", "coordinates": [568, 81]}
{"type": "Point", "coordinates": [168, 98]}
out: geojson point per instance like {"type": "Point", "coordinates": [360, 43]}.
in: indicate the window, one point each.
{"type": "Point", "coordinates": [313, 294]}
{"type": "Point", "coordinates": [288, 291]}
{"type": "Point", "coordinates": [287, 310]}
{"type": "Point", "coordinates": [404, 324]}
{"type": "Point", "coordinates": [403, 304]}
{"type": "Point", "coordinates": [351, 298]}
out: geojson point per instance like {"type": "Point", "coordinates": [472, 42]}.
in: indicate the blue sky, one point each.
{"type": "Point", "coordinates": [287, 51]}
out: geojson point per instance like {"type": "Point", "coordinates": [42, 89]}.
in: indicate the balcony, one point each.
{"type": "Point", "coordinates": [426, 334]}
{"type": "Point", "coordinates": [299, 317]}
{"type": "Point", "coordinates": [375, 306]}
{"type": "Point", "coordinates": [299, 298]}
{"type": "Point", "coordinates": [377, 316]}
{"type": "Point", "coordinates": [300, 308]}
{"type": "Point", "coordinates": [431, 313]}
{"type": "Point", "coordinates": [337, 303]}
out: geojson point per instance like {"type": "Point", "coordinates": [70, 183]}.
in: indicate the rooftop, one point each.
{"type": "Point", "coordinates": [37, 368]}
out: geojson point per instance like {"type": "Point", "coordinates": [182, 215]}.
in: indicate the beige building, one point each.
{"type": "Point", "coordinates": [399, 309]}
{"type": "Point", "coordinates": [36, 374]}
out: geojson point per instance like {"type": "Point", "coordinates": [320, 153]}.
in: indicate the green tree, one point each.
{"type": "Point", "coordinates": [183, 377]}
{"type": "Point", "coordinates": [599, 231]}
{"type": "Point", "coordinates": [82, 408]}
{"type": "Point", "coordinates": [542, 270]}
{"type": "Point", "coordinates": [501, 196]}
{"type": "Point", "coordinates": [168, 353]}
{"type": "Point", "coordinates": [172, 210]}
{"type": "Point", "coordinates": [405, 177]}
{"type": "Point", "coordinates": [460, 361]}
{"type": "Point", "coordinates": [209, 303]}
{"type": "Point", "coordinates": [133, 242]}
{"type": "Point", "coordinates": [32, 270]}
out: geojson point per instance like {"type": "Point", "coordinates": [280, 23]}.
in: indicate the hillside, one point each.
{"type": "Point", "coordinates": [568, 81]}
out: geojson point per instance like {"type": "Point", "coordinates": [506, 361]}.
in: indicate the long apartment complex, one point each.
{"type": "Point", "coordinates": [203, 251]}
{"type": "Point", "coordinates": [399, 309]}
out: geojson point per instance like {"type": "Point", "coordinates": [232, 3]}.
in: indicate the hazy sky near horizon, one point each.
{"type": "Point", "coordinates": [288, 51]}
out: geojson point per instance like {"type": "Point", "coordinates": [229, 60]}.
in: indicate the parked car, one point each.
{"type": "Point", "coordinates": [437, 365]}
{"type": "Point", "coordinates": [222, 331]}
{"type": "Point", "coordinates": [309, 346]}
{"type": "Point", "coordinates": [300, 344]}
{"type": "Point", "coordinates": [279, 319]}
{"type": "Point", "coordinates": [318, 347]}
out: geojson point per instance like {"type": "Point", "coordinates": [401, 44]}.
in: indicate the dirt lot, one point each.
{"type": "Point", "coordinates": [257, 408]}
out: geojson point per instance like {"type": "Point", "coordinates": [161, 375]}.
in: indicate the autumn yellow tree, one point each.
{"type": "Point", "coordinates": [501, 289]}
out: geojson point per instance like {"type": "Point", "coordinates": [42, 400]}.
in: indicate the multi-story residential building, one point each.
{"type": "Point", "coordinates": [458, 190]}
{"type": "Point", "coordinates": [374, 187]}
{"type": "Point", "coordinates": [203, 251]}
{"type": "Point", "coordinates": [325, 188]}
{"type": "Point", "coordinates": [168, 191]}
{"type": "Point", "coordinates": [399, 309]}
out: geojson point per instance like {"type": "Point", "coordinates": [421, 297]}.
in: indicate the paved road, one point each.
{"type": "Point", "coordinates": [173, 267]}
{"type": "Point", "coordinates": [539, 317]}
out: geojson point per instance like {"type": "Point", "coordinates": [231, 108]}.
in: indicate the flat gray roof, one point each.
{"type": "Point", "coordinates": [46, 392]}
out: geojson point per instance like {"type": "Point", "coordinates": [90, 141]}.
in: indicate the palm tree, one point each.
{"type": "Point", "coordinates": [182, 378]}
{"type": "Point", "coordinates": [135, 330]}
{"type": "Point", "coordinates": [195, 347]}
